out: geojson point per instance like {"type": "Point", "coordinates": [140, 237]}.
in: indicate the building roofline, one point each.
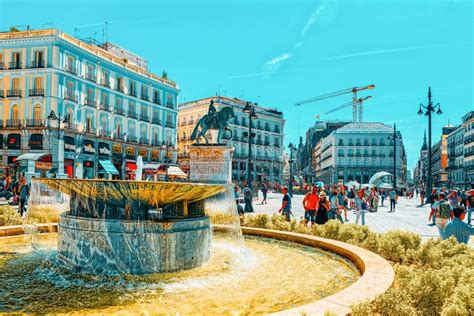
{"type": "Point", "coordinates": [96, 50]}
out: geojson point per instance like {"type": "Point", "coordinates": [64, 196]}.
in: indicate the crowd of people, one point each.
{"type": "Point", "coordinates": [16, 192]}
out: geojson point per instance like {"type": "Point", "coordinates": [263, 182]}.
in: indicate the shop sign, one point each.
{"type": "Point", "coordinates": [143, 153]}
{"type": "Point", "coordinates": [69, 144]}
{"type": "Point", "coordinates": [117, 150]}
{"type": "Point", "coordinates": [43, 165]}
{"type": "Point", "coordinates": [13, 141]}
{"type": "Point", "coordinates": [155, 155]}
{"type": "Point", "coordinates": [104, 149]}
{"type": "Point", "coordinates": [36, 141]}
{"type": "Point", "coordinates": [88, 146]}
{"type": "Point", "coordinates": [130, 152]}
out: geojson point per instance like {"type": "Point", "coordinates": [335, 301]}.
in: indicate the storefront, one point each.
{"type": "Point", "coordinates": [69, 155]}
{"type": "Point", "coordinates": [130, 162]}
{"type": "Point", "coordinates": [144, 153]}
{"type": "Point", "coordinates": [104, 155]}
{"type": "Point", "coordinates": [155, 155]}
{"type": "Point", "coordinates": [36, 141]}
{"type": "Point", "coordinates": [88, 148]}
{"type": "Point", "coordinates": [13, 141]}
{"type": "Point", "coordinates": [117, 158]}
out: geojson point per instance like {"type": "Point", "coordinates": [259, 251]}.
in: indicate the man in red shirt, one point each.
{"type": "Point", "coordinates": [310, 203]}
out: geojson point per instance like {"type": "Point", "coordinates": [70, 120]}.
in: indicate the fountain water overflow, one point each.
{"type": "Point", "coordinates": [133, 227]}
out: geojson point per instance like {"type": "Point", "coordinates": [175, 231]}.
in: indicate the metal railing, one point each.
{"type": "Point", "coordinates": [105, 82]}
{"type": "Point", "coordinates": [132, 139]}
{"type": "Point", "coordinates": [145, 97]}
{"type": "Point", "coordinates": [71, 127]}
{"type": "Point", "coordinates": [104, 106]}
{"type": "Point", "coordinates": [144, 141]}
{"type": "Point", "coordinates": [133, 93]}
{"type": "Point", "coordinates": [120, 136]}
{"type": "Point", "coordinates": [15, 65]}
{"type": "Point", "coordinates": [37, 64]}
{"type": "Point", "coordinates": [13, 123]}
{"type": "Point", "coordinates": [2, 94]}
{"type": "Point", "coordinates": [120, 111]}
{"type": "Point", "coordinates": [90, 130]}
{"type": "Point", "coordinates": [34, 123]}
{"type": "Point", "coordinates": [144, 118]}
{"type": "Point", "coordinates": [2, 66]}
{"type": "Point", "coordinates": [90, 77]}
{"type": "Point", "coordinates": [156, 120]}
{"type": "Point", "coordinates": [169, 124]}
{"type": "Point", "coordinates": [69, 95]}
{"type": "Point", "coordinates": [89, 102]}
{"type": "Point", "coordinates": [13, 93]}
{"type": "Point", "coordinates": [71, 69]}
{"type": "Point", "coordinates": [157, 101]}
{"type": "Point", "coordinates": [132, 114]}
{"type": "Point", "coordinates": [36, 92]}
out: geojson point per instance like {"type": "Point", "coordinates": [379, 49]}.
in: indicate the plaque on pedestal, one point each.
{"type": "Point", "coordinates": [210, 163]}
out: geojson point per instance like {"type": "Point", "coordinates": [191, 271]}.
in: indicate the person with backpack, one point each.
{"type": "Point", "coordinates": [393, 200]}
{"type": "Point", "coordinates": [443, 212]}
{"type": "Point", "coordinates": [470, 206]}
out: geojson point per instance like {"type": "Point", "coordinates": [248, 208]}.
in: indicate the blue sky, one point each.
{"type": "Point", "coordinates": [279, 52]}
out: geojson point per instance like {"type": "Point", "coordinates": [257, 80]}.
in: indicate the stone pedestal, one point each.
{"type": "Point", "coordinates": [210, 163]}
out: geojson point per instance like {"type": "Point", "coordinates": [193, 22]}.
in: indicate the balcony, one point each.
{"type": "Point", "coordinates": [2, 94]}
{"type": "Point", "coordinates": [144, 141]}
{"type": "Point", "coordinates": [133, 93]}
{"type": "Point", "coordinates": [90, 130]}
{"type": "Point", "coordinates": [170, 125]}
{"type": "Point", "coordinates": [132, 139]}
{"type": "Point", "coordinates": [89, 102]}
{"type": "Point", "coordinates": [91, 77]}
{"type": "Point", "coordinates": [105, 133]}
{"type": "Point", "coordinates": [105, 82]}
{"type": "Point", "coordinates": [120, 111]}
{"type": "Point", "coordinates": [15, 65]}
{"type": "Point", "coordinates": [132, 114]}
{"type": "Point", "coordinates": [120, 88]}
{"type": "Point", "coordinates": [120, 136]}
{"type": "Point", "coordinates": [36, 92]}
{"type": "Point", "coordinates": [156, 120]}
{"type": "Point", "coordinates": [157, 101]}
{"type": "Point", "coordinates": [37, 64]}
{"type": "Point", "coordinates": [104, 106]}
{"type": "Point", "coordinates": [170, 105]}
{"type": "Point", "coordinates": [13, 93]}
{"type": "Point", "coordinates": [34, 123]}
{"type": "Point", "coordinates": [156, 142]}
{"type": "Point", "coordinates": [69, 95]}
{"type": "Point", "coordinates": [71, 69]}
{"type": "Point", "coordinates": [13, 123]}
{"type": "Point", "coordinates": [145, 97]}
{"type": "Point", "coordinates": [71, 127]}
{"type": "Point", "coordinates": [276, 145]}
{"type": "Point", "coordinates": [144, 118]}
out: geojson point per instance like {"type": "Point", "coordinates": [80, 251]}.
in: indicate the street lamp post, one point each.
{"type": "Point", "coordinates": [60, 119]}
{"type": "Point", "coordinates": [427, 110]}
{"type": "Point", "coordinates": [394, 138]}
{"type": "Point", "coordinates": [290, 186]}
{"type": "Point", "coordinates": [250, 109]}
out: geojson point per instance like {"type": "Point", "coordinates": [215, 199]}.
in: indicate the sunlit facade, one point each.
{"type": "Point", "coordinates": [117, 109]}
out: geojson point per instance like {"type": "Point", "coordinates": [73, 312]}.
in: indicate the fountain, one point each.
{"type": "Point", "coordinates": [133, 227]}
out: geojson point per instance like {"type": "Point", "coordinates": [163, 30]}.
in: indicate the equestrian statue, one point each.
{"type": "Point", "coordinates": [213, 120]}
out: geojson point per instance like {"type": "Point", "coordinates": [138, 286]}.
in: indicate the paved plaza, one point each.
{"type": "Point", "coordinates": [408, 216]}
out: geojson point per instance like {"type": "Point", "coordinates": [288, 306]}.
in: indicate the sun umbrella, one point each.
{"type": "Point", "coordinates": [385, 186]}
{"type": "Point", "coordinates": [366, 185]}
{"type": "Point", "coordinates": [353, 184]}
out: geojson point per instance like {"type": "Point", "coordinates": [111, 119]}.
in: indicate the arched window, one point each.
{"type": "Point", "coordinates": [37, 115]}
{"type": "Point", "coordinates": [70, 113]}
{"type": "Point", "coordinates": [89, 123]}
{"type": "Point", "coordinates": [155, 137]}
{"type": "Point", "coordinates": [14, 112]}
{"type": "Point", "coordinates": [103, 124]}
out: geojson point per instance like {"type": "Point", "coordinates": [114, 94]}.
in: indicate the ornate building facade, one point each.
{"type": "Point", "coordinates": [116, 108]}
{"type": "Point", "coordinates": [267, 140]}
{"type": "Point", "coordinates": [455, 168]}
{"type": "Point", "coordinates": [468, 123]}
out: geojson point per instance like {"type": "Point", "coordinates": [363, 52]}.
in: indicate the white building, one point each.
{"type": "Point", "coordinates": [455, 168]}
{"type": "Point", "coordinates": [357, 151]}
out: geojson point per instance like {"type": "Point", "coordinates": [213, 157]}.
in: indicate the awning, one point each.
{"type": "Point", "coordinates": [31, 156]}
{"type": "Point", "coordinates": [152, 166]}
{"type": "Point", "coordinates": [130, 166]}
{"type": "Point", "coordinates": [108, 167]}
{"type": "Point", "coordinates": [175, 171]}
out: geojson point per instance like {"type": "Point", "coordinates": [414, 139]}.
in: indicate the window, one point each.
{"type": "Point", "coordinates": [132, 90]}
{"type": "Point", "coordinates": [120, 84]}
{"type": "Point", "coordinates": [156, 97]}
{"type": "Point", "coordinates": [169, 100]}
{"type": "Point", "coordinates": [37, 115]}
{"type": "Point", "coordinates": [340, 153]}
{"type": "Point", "coordinates": [14, 112]}
{"type": "Point", "coordinates": [38, 83]}
{"type": "Point", "coordinates": [16, 57]}
{"type": "Point", "coordinates": [350, 153]}
{"type": "Point", "coordinates": [38, 59]}
{"type": "Point", "coordinates": [89, 123]}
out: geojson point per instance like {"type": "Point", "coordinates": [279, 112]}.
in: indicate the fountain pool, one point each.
{"type": "Point", "coordinates": [259, 276]}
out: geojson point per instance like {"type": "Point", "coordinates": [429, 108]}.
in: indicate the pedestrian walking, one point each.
{"type": "Point", "coordinates": [457, 228]}
{"type": "Point", "coordinates": [264, 193]}
{"type": "Point", "coordinates": [323, 207]}
{"type": "Point", "coordinates": [432, 199]}
{"type": "Point", "coordinates": [285, 205]}
{"type": "Point", "coordinates": [443, 213]}
{"type": "Point", "coordinates": [383, 195]}
{"type": "Point", "coordinates": [361, 211]}
{"type": "Point", "coordinates": [23, 196]}
{"type": "Point", "coordinates": [393, 200]}
{"type": "Point", "coordinates": [310, 203]}
{"type": "Point", "coordinates": [470, 206]}
{"type": "Point", "coordinates": [422, 198]}
{"type": "Point", "coordinates": [248, 199]}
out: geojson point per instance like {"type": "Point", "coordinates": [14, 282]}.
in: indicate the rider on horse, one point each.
{"type": "Point", "coordinates": [211, 113]}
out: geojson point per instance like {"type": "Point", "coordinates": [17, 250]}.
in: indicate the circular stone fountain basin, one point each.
{"type": "Point", "coordinates": [259, 277]}
{"type": "Point", "coordinates": [107, 246]}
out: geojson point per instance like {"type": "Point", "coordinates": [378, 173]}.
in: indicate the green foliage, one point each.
{"type": "Point", "coordinates": [8, 216]}
{"type": "Point", "coordinates": [432, 278]}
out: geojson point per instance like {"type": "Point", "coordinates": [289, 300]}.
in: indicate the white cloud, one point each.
{"type": "Point", "coordinates": [312, 19]}
{"type": "Point", "coordinates": [275, 63]}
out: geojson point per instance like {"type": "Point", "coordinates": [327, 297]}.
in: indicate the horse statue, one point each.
{"type": "Point", "coordinates": [217, 120]}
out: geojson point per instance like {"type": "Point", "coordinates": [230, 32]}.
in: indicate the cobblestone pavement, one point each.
{"type": "Point", "coordinates": [408, 216]}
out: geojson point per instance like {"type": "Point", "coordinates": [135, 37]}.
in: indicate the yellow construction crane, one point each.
{"type": "Point", "coordinates": [357, 108]}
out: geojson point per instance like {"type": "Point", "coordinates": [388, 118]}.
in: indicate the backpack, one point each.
{"type": "Point", "coordinates": [444, 210]}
